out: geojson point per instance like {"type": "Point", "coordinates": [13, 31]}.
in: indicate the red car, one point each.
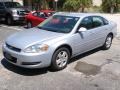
{"type": "Point", "coordinates": [36, 17]}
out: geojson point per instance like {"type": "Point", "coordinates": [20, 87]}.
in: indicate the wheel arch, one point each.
{"type": "Point", "coordinates": [111, 34]}
{"type": "Point", "coordinates": [66, 46]}
{"type": "Point", "coordinates": [8, 15]}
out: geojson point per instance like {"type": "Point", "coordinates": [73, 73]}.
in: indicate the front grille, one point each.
{"type": "Point", "coordinates": [23, 13]}
{"type": "Point", "coordinates": [13, 48]}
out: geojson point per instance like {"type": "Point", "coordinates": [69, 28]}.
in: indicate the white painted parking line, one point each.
{"type": "Point", "coordinates": [10, 27]}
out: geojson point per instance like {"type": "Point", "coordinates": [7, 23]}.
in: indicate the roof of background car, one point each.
{"type": "Point", "coordinates": [77, 14]}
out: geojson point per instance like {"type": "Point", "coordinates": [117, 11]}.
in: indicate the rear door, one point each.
{"type": "Point", "coordinates": [93, 37]}
{"type": "Point", "coordinates": [98, 31]}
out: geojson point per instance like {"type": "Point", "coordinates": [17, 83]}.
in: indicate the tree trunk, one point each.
{"type": "Point", "coordinates": [112, 9]}
{"type": "Point", "coordinates": [82, 9]}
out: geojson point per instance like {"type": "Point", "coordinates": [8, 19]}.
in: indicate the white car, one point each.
{"type": "Point", "coordinates": [57, 39]}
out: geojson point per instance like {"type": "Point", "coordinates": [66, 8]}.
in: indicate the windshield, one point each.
{"type": "Point", "coordinates": [58, 23]}
{"type": "Point", "coordinates": [12, 4]}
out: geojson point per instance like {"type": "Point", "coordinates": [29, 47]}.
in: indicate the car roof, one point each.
{"type": "Point", "coordinates": [75, 14]}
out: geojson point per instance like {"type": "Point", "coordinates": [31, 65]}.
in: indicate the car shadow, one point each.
{"type": "Point", "coordinates": [84, 55]}
{"type": "Point", "coordinates": [23, 71]}
{"type": "Point", "coordinates": [33, 72]}
{"type": "Point", "coordinates": [19, 24]}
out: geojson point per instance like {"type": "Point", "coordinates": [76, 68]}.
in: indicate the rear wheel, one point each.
{"type": "Point", "coordinates": [108, 42]}
{"type": "Point", "coordinates": [60, 59]}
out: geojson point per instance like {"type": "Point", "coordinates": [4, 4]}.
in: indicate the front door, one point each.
{"type": "Point", "coordinates": [83, 40]}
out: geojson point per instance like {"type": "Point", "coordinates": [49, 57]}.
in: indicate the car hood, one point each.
{"type": "Point", "coordinates": [20, 9]}
{"type": "Point", "coordinates": [30, 37]}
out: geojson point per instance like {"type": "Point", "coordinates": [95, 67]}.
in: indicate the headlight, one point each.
{"type": "Point", "coordinates": [36, 48]}
{"type": "Point", "coordinates": [14, 12]}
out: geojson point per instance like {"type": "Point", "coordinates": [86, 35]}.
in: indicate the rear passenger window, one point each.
{"type": "Point", "coordinates": [97, 21]}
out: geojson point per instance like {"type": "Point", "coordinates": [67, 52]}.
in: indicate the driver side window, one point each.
{"type": "Point", "coordinates": [86, 23]}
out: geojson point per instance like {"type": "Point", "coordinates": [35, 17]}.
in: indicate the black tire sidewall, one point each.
{"type": "Point", "coordinates": [53, 63]}
{"type": "Point", "coordinates": [11, 20]}
{"type": "Point", "coordinates": [28, 24]}
{"type": "Point", "coordinates": [104, 46]}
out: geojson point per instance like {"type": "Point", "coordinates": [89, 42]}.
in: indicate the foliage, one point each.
{"type": "Point", "coordinates": [59, 4]}
{"type": "Point", "coordinates": [110, 6]}
{"type": "Point", "coordinates": [75, 5]}
{"type": "Point", "coordinates": [40, 4]}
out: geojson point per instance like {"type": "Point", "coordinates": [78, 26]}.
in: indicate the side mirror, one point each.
{"type": "Point", "coordinates": [82, 29]}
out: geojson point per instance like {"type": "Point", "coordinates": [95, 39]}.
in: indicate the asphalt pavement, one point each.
{"type": "Point", "coordinates": [107, 78]}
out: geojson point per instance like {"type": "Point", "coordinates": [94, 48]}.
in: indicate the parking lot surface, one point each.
{"type": "Point", "coordinates": [71, 78]}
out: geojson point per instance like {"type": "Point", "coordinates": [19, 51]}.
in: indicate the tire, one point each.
{"type": "Point", "coordinates": [108, 42]}
{"type": "Point", "coordinates": [60, 58]}
{"type": "Point", "coordinates": [29, 24]}
{"type": "Point", "coordinates": [9, 20]}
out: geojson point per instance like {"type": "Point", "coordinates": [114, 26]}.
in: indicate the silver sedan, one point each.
{"type": "Point", "coordinates": [57, 39]}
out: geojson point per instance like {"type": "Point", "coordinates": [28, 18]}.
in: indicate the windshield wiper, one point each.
{"type": "Point", "coordinates": [42, 28]}
{"type": "Point", "coordinates": [51, 30]}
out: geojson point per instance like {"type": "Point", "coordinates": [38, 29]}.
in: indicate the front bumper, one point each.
{"type": "Point", "coordinates": [18, 18]}
{"type": "Point", "coordinates": [27, 60]}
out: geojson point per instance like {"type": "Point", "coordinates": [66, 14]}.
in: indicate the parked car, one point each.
{"type": "Point", "coordinates": [36, 17]}
{"type": "Point", "coordinates": [12, 11]}
{"type": "Point", "coordinates": [57, 39]}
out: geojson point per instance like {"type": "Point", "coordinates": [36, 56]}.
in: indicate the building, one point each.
{"type": "Point", "coordinates": [97, 2]}
{"type": "Point", "coordinates": [20, 1]}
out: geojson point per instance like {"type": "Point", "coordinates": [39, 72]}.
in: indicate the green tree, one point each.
{"type": "Point", "coordinates": [75, 5]}
{"type": "Point", "coordinates": [110, 6]}
{"type": "Point", "coordinates": [59, 4]}
{"type": "Point", "coordinates": [85, 4]}
{"type": "Point", "coordinates": [40, 4]}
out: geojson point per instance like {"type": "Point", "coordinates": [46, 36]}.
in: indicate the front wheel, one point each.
{"type": "Point", "coordinates": [60, 59]}
{"type": "Point", "coordinates": [108, 42]}
{"type": "Point", "coordinates": [29, 24]}
{"type": "Point", "coordinates": [9, 20]}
